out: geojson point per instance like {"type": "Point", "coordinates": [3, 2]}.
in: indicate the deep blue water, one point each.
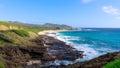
{"type": "Point", "coordinates": [93, 41]}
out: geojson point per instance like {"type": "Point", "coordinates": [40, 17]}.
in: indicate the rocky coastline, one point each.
{"type": "Point", "coordinates": [98, 62]}
{"type": "Point", "coordinates": [49, 49]}
{"type": "Point", "coordinates": [36, 56]}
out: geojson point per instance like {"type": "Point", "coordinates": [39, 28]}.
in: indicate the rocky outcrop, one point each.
{"type": "Point", "coordinates": [22, 56]}
{"type": "Point", "coordinates": [59, 50]}
{"type": "Point", "coordinates": [98, 62]}
{"type": "Point", "coordinates": [48, 49]}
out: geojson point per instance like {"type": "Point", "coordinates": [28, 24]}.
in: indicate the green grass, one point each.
{"type": "Point", "coordinates": [113, 64]}
{"type": "Point", "coordinates": [18, 66]}
{"type": "Point", "coordinates": [20, 36]}
{"type": "Point", "coordinates": [1, 55]}
{"type": "Point", "coordinates": [21, 33]}
{"type": "Point", "coordinates": [14, 37]}
{"type": "Point", "coordinates": [4, 38]}
{"type": "Point", "coordinates": [2, 65]}
{"type": "Point", "coordinates": [36, 29]}
{"type": "Point", "coordinates": [6, 23]}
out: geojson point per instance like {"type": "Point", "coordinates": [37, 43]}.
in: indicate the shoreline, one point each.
{"type": "Point", "coordinates": [76, 63]}
{"type": "Point", "coordinates": [45, 32]}
{"type": "Point", "coordinates": [97, 62]}
{"type": "Point", "coordinates": [53, 34]}
{"type": "Point", "coordinates": [101, 60]}
{"type": "Point", "coordinates": [38, 56]}
{"type": "Point", "coordinates": [63, 53]}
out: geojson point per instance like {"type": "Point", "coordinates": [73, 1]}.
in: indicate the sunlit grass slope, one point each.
{"type": "Point", "coordinates": [113, 64]}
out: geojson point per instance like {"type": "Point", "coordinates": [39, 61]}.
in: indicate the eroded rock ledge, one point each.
{"type": "Point", "coordinates": [14, 56]}
{"type": "Point", "coordinates": [98, 62]}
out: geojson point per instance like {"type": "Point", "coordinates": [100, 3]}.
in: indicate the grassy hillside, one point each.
{"type": "Point", "coordinates": [9, 25]}
{"type": "Point", "coordinates": [17, 33]}
{"type": "Point", "coordinates": [11, 34]}
{"type": "Point", "coordinates": [113, 64]}
{"type": "Point", "coordinates": [15, 37]}
{"type": "Point", "coordinates": [6, 23]}
{"type": "Point", "coordinates": [29, 27]}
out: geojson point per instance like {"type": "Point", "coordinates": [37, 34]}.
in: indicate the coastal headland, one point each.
{"type": "Point", "coordinates": [47, 50]}
{"type": "Point", "coordinates": [27, 47]}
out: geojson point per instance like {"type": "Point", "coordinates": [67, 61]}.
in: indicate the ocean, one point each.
{"type": "Point", "coordinates": [93, 41]}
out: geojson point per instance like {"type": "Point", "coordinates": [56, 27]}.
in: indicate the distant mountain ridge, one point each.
{"type": "Point", "coordinates": [46, 25]}
{"type": "Point", "coordinates": [50, 25]}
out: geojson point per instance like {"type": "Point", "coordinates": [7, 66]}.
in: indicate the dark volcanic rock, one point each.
{"type": "Point", "coordinates": [98, 62]}
{"type": "Point", "coordinates": [48, 49]}
{"type": "Point", "coordinates": [15, 56]}
{"type": "Point", "coordinates": [39, 41]}
{"type": "Point", "coordinates": [59, 50]}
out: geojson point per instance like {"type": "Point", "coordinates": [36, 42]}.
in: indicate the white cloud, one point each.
{"type": "Point", "coordinates": [111, 10]}
{"type": "Point", "coordinates": [86, 1]}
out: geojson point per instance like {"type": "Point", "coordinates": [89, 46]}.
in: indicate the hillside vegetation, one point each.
{"type": "Point", "coordinates": [14, 37]}
{"type": "Point", "coordinates": [17, 42]}
{"type": "Point", "coordinates": [2, 65]}
{"type": "Point", "coordinates": [38, 27]}
{"type": "Point", "coordinates": [12, 34]}
{"type": "Point", "coordinates": [113, 64]}
{"type": "Point", "coordinates": [17, 33]}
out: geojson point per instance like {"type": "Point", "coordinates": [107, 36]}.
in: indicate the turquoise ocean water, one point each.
{"type": "Point", "coordinates": [93, 41]}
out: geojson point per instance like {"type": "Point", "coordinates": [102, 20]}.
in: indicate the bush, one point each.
{"type": "Point", "coordinates": [113, 64]}
{"type": "Point", "coordinates": [2, 65]}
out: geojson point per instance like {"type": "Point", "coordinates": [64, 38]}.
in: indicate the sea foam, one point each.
{"type": "Point", "coordinates": [90, 50]}
{"type": "Point", "coordinates": [89, 53]}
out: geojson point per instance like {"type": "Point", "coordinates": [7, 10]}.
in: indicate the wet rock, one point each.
{"type": "Point", "coordinates": [60, 50]}
{"type": "Point", "coordinates": [98, 62]}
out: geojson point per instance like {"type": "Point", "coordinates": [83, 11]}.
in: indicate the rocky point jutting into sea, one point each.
{"type": "Point", "coordinates": [58, 50]}
{"type": "Point", "coordinates": [47, 50]}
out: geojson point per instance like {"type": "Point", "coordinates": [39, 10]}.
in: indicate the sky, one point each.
{"type": "Point", "coordinates": [76, 13]}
